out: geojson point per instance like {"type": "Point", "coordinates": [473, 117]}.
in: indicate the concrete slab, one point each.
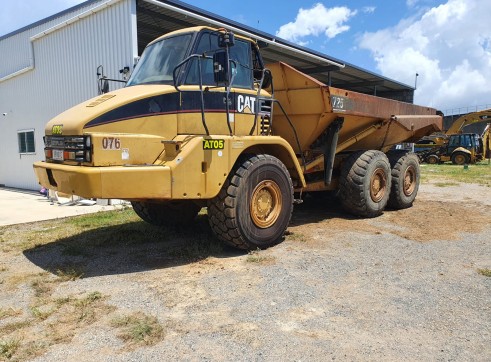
{"type": "Point", "coordinates": [20, 206]}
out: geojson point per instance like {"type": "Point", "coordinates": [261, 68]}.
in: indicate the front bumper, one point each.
{"type": "Point", "coordinates": [115, 182]}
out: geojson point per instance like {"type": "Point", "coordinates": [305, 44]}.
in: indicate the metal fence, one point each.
{"type": "Point", "coordinates": [465, 110]}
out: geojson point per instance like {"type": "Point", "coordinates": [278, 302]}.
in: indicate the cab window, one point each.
{"type": "Point", "coordinates": [240, 53]}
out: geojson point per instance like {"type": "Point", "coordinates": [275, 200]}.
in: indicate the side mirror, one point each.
{"type": "Point", "coordinates": [105, 86]}
{"type": "Point", "coordinates": [221, 68]}
{"type": "Point", "coordinates": [267, 80]}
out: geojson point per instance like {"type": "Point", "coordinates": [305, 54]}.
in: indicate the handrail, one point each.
{"type": "Point", "coordinates": [294, 132]}
{"type": "Point", "coordinates": [264, 71]}
{"type": "Point", "coordinates": [174, 80]}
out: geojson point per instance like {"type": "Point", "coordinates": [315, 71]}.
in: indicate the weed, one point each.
{"type": "Point", "coordinates": [8, 348]}
{"type": "Point", "coordinates": [296, 237]}
{"type": "Point", "coordinates": [486, 272]}
{"type": "Point", "coordinates": [446, 184]}
{"type": "Point", "coordinates": [256, 256]}
{"type": "Point", "coordinates": [41, 287]}
{"type": "Point", "coordinates": [69, 274]}
{"type": "Point", "coordinates": [9, 312]}
{"type": "Point", "coordinates": [41, 314]}
{"type": "Point", "coordinates": [13, 327]}
{"type": "Point", "coordinates": [138, 329]}
{"type": "Point", "coordinates": [84, 307]}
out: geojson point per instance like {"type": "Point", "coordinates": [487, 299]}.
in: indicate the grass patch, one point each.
{"type": "Point", "coordinates": [8, 348]}
{"type": "Point", "coordinates": [486, 272]}
{"type": "Point", "coordinates": [69, 274]}
{"type": "Point", "coordinates": [139, 329]}
{"type": "Point", "coordinates": [450, 175]}
{"type": "Point", "coordinates": [296, 236]}
{"type": "Point", "coordinates": [258, 257]}
{"type": "Point", "coordinates": [446, 184]}
{"type": "Point", "coordinates": [9, 312]}
{"type": "Point", "coordinates": [51, 321]}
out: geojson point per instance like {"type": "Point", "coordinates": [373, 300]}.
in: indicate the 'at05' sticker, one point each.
{"type": "Point", "coordinates": [213, 144]}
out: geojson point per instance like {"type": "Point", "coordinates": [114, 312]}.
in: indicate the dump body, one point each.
{"type": "Point", "coordinates": [312, 107]}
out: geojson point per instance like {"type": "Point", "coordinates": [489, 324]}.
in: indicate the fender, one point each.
{"type": "Point", "coordinates": [462, 149]}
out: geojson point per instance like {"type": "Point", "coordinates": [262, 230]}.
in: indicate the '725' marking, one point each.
{"type": "Point", "coordinates": [337, 102]}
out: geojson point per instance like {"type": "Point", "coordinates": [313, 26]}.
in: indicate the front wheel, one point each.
{"type": "Point", "coordinates": [255, 205]}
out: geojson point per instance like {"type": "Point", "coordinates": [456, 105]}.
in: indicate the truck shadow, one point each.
{"type": "Point", "coordinates": [138, 246]}
{"type": "Point", "coordinates": [129, 248]}
{"type": "Point", "coordinates": [318, 207]}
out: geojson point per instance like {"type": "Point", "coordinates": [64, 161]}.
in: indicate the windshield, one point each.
{"type": "Point", "coordinates": [159, 60]}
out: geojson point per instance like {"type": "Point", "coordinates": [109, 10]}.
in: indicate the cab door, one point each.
{"type": "Point", "coordinates": [241, 97]}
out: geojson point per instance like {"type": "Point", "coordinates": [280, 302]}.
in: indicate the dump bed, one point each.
{"type": "Point", "coordinates": [370, 122]}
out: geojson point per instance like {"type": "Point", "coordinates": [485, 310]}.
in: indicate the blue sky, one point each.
{"type": "Point", "coordinates": [447, 42]}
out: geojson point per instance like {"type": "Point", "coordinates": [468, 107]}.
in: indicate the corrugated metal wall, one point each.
{"type": "Point", "coordinates": [64, 75]}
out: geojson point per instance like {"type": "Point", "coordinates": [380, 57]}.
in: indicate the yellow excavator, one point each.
{"type": "Point", "coordinates": [456, 146]}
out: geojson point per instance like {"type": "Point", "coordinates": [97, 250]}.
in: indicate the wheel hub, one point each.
{"type": "Point", "coordinates": [459, 159]}
{"type": "Point", "coordinates": [266, 204]}
{"type": "Point", "coordinates": [378, 185]}
{"type": "Point", "coordinates": [409, 181]}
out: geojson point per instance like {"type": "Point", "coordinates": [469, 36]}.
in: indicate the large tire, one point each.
{"type": "Point", "coordinates": [405, 180]}
{"type": "Point", "coordinates": [364, 183]}
{"type": "Point", "coordinates": [166, 213]}
{"type": "Point", "coordinates": [255, 205]}
{"type": "Point", "coordinates": [460, 158]}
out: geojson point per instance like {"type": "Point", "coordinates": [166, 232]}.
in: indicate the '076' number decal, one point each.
{"type": "Point", "coordinates": [111, 143]}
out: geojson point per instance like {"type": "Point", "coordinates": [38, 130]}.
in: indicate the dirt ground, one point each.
{"type": "Point", "coordinates": [403, 286]}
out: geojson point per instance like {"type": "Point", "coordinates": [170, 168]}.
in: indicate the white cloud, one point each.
{"type": "Point", "coordinates": [411, 3]}
{"type": "Point", "coordinates": [449, 46]}
{"type": "Point", "coordinates": [369, 9]}
{"type": "Point", "coordinates": [315, 21]}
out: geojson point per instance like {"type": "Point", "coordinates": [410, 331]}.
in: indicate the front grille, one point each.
{"type": "Point", "coordinates": [68, 148]}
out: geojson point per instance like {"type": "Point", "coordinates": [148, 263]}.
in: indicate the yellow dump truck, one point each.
{"type": "Point", "coordinates": [203, 122]}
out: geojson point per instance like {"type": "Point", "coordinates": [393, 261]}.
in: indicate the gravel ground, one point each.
{"type": "Point", "coordinates": [404, 286]}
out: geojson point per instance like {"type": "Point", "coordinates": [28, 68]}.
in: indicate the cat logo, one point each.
{"type": "Point", "coordinates": [245, 103]}
{"type": "Point", "coordinates": [57, 129]}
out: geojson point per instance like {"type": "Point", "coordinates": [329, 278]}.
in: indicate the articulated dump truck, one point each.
{"type": "Point", "coordinates": [203, 122]}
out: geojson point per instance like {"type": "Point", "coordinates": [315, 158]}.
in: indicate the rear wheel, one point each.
{"type": "Point", "coordinates": [364, 184]}
{"type": "Point", "coordinates": [167, 213]}
{"type": "Point", "coordinates": [460, 158]}
{"type": "Point", "coordinates": [405, 175]}
{"type": "Point", "coordinates": [255, 205]}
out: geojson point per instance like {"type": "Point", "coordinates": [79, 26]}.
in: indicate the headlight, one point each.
{"type": "Point", "coordinates": [88, 142]}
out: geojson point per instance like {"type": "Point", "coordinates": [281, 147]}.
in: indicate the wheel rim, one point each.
{"type": "Point", "coordinates": [431, 160]}
{"type": "Point", "coordinates": [459, 159]}
{"type": "Point", "coordinates": [378, 185]}
{"type": "Point", "coordinates": [266, 204]}
{"type": "Point", "coordinates": [409, 181]}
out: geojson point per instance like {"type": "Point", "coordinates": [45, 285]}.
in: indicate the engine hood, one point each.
{"type": "Point", "coordinates": [124, 103]}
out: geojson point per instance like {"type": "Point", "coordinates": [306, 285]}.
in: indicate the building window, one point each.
{"type": "Point", "coordinates": [26, 141]}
